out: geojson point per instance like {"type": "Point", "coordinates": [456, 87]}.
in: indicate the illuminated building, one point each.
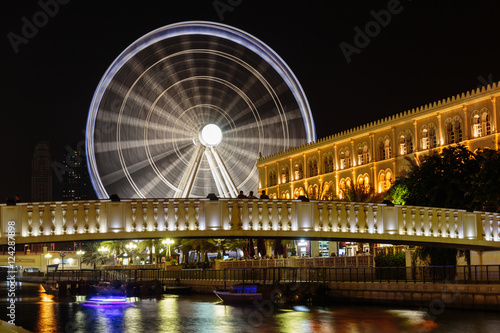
{"type": "Point", "coordinates": [375, 154]}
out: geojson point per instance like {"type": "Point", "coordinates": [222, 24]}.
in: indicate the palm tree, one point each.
{"type": "Point", "coordinates": [92, 256]}
{"type": "Point", "coordinates": [150, 245]}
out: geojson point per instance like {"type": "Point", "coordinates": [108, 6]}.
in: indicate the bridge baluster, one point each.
{"type": "Point", "coordinates": [97, 206]}
{"type": "Point", "coordinates": [439, 226]}
{"type": "Point", "coordinates": [259, 206]}
{"type": "Point", "coordinates": [155, 215]}
{"type": "Point", "coordinates": [270, 216]}
{"type": "Point", "coordinates": [75, 218]}
{"type": "Point", "coordinates": [490, 225]}
{"type": "Point", "coordinates": [403, 211]}
{"type": "Point", "coordinates": [86, 216]}
{"type": "Point", "coordinates": [187, 221]}
{"type": "Point", "coordinates": [166, 226]}
{"type": "Point", "coordinates": [484, 225]}
{"type": "Point", "coordinates": [52, 219]}
{"type": "Point", "coordinates": [197, 215]}
{"type": "Point", "coordinates": [356, 218]}
{"type": "Point", "coordinates": [64, 226]}
{"type": "Point", "coordinates": [134, 208]}
{"type": "Point", "coordinates": [348, 218]}
{"type": "Point", "coordinates": [339, 221]}
{"type": "Point", "coordinates": [422, 227]}
{"type": "Point", "coordinates": [280, 207]}
{"type": "Point", "coordinates": [41, 209]}
{"type": "Point", "coordinates": [447, 221]}
{"type": "Point", "coordinates": [250, 216]}
{"type": "Point", "coordinates": [30, 217]}
{"type": "Point", "coordinates": [429, 212]}
{"type": "Point", "coordinates": [375, 227]}
{"type": "Point", "coordinates": [289, 214]}
{"type": "Point", "coordinates": [144, 206]}
{"type": "Point", "coordinates": [176, 215]}
{"type": "Point", "coordinates": [230, 209]}
{"type": "Point", "coordinates": [365, 211]}
{"type": "Point", "coordinates": [455, 222]}
{"type": "Point", "coordinates": [320, 216]}
{"type": "Point", "coordinates": [329, 209]}
{"type": "Point", "coordinates": [413, 230]}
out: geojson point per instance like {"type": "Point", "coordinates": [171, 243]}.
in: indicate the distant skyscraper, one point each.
{"type": "Point", "coordinates": [75, 176]}
{"type": "Point", "coordinates": [41, 173]}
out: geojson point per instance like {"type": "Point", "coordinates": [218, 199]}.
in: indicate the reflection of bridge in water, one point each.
{"type": "Point", "coordinates": [235, 218]}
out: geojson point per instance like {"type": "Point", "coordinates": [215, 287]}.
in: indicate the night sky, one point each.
{"type": "Point", "coordinates": [421, 51]}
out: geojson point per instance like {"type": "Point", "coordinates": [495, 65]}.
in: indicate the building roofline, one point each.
{"type": "Point", "coordinates": [384, 122]}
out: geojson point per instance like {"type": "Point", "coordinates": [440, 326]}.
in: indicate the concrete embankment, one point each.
{"type": "Point", "coordinates": [432, 296]}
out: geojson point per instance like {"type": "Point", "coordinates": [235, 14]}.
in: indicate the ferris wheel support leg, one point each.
{"type": "Point", "coordinates": [187, 181]}
{"type": "Point", "coordinates": [233, 191]}
{"type": "Point", "coordinates": [223, 180]}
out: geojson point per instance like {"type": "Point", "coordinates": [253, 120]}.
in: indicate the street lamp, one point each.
{"type": "Point", "coordinates": [47, 257]}
{"type": "Point", "coordinates": [80, 254]}
{"type": "Point", "coordinates": [131, 248]}
{"type": "Point", "coordinates": [169, 243]}
{"type": "Point", "coordinates": [62, 255]}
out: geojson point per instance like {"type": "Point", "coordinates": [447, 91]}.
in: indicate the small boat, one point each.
{"type": "Point", "coordinates": [176, 290]}
{"type": "Point", "coordinates": [108, 300]}
{"type": "Point", "coordinates": [110, 289]}
{"type": "Point", "coordinates": [51, 288]}
{"type": "Point", "coordinates": [240, 294]}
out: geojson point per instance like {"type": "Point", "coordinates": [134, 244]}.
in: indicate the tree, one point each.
{"type": "Point", "coordinates": [152, 246]}
{"type": "Point", "coordinates": [114, 247]}
{"type": "Point", "coordinates": [92, 256]}
{"type": "Point", "coordinates": [455, 178]}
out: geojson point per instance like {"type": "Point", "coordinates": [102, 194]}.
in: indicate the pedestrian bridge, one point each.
{"type": "Point", "coordinates": [44, 222]}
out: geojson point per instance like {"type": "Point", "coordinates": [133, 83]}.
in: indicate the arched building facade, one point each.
{"type": "Point", "coordinates": [375, 154]}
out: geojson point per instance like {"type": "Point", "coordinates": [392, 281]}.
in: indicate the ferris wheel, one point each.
{"type": "Point", "coordinates": [186, 110]}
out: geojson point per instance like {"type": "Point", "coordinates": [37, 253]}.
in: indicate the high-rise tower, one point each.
{"type": "Point", "coordinates": [41, 173]}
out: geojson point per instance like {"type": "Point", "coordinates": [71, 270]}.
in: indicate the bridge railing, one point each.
{"type": "Point", "coordinates": [473, 274]}
{"type": "Point", "coordinates": [44, 220]}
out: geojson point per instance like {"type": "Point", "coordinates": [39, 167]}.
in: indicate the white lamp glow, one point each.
{"type": "Point", "coordinates": [211, 135]}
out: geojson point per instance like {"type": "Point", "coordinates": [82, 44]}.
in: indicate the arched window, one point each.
{"type": "Point", "coordinates": [486, 123]}
{"type": "Point", "coordinates": [341, 188]}
{"type": "Point", "coordinates": [402, 145]}
{"type": "Point", "coordinates": [425, 138]}
{"type": "Point", "coordinates": [477, 130]}
{"type": "Point", "coordinates": [387, 149]}
{"type": "Point", "coordinates": [409, 142]}
{"type": "Point", "coordinates": [342, 159]}
{"type": "Point", "coordinates": [361, 159]}
{"type": "Point", "coordinates": [432, 137]}
{"type": "Point", "coordinates": [454, 132]}
{"type": "Point", "coordinates": [381, 182]}
{"type": "Point", "coordinates": [348, 161]}
{"type": "Point", "coordinates": [366, 156]}
{"type": "Point", "coordinates": [313, 167]}
{"type": "Point", "coordinates": [328, 163]}
{"type": "Point", "coordinates": [285, 175]}
{"type": "Point", "coordinates": [273, 179]}
{"type": "Point", "coordinates": [298, 171]}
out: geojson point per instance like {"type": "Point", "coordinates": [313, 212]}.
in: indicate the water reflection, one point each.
{"type": "Point", "coordinates": [40, 312]}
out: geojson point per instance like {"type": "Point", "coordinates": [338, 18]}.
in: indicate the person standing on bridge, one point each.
{"type": "Point", "coordinates": [264, 195]}
{"type": "Point", "coordinates": [241, 195]}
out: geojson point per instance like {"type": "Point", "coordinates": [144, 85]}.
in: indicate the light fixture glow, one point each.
{"type": "Point", "coordinates": [211, 135]}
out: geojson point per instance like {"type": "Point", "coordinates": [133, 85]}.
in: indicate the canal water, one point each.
{"type": "Point", "coordinates": [39, 312]}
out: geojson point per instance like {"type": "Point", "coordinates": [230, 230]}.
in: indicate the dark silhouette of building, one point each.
{"type": "Point", "coordinates": [41, 173]}
{"type": "Point", "coordinates": [75, 177]}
